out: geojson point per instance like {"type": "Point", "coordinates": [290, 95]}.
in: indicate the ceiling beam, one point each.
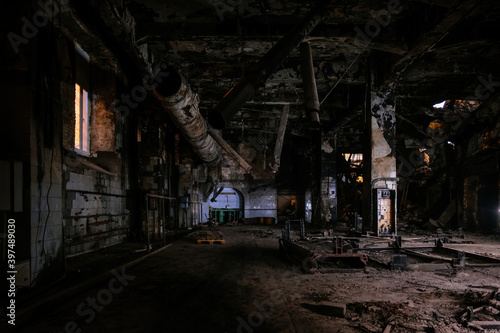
{"type": "Point", "coordinates": [257, 75]}
{"type": "Point", "coordinates": [454, 16]}
{"type": "Point", "coordinates": [99, 18]}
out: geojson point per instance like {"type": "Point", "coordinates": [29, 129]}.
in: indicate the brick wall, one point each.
{"type": "Point", "coordinates": [96, 213]}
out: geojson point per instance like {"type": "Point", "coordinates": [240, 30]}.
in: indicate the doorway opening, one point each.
{"type": "Point", "coordinates": [227, 206]}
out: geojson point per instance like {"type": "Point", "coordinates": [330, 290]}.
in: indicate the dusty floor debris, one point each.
{"type": "Point", "coordinates": [248, 285]}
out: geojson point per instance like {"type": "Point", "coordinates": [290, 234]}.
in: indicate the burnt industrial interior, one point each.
{"type": "Point", "coordinates": [267, 165]}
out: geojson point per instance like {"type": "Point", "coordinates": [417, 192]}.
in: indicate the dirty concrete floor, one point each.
{"type": "Point", "coordinates": [247, 285]}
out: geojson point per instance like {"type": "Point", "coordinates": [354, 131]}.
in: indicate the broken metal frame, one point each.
{"type": "Point", "coordinates": [458, 260]}
{"type": "Point", "coordinates": [471, 320]}
{"type": "Point", "coordinates": [309, 260]}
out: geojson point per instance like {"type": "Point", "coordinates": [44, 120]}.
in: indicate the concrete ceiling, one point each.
{"type": "Point", "coordinates": [424, 51]}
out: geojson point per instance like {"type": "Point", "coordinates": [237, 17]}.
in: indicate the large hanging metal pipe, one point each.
{"type": "Point", "coordinates": [258, 73]}
{"type": "Point", "coordinates": [181, 104]}
{"type": "Point", "coordinates": [311, 100]}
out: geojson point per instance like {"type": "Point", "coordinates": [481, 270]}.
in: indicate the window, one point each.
{"type": "Point", "coordinates": [81, 120]}
{"type": "Point", "coordinates": [354, 160]}
{"type": "Point", "coordinates": [440, 105]}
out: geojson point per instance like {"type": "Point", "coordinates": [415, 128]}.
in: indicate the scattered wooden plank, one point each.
{"type": "Point", "coordinates": [334, 309]}
{"type": "Point", "coordinates": [388, 329]}
{"type": "Point", "coordinates": [486, 325]}
{"type": "Point", "coordinates": [210, 237]}
{"type": "Point", "coordinates": [210, 241]}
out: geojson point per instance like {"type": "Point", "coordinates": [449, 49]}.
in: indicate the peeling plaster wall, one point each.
{"type": "Point", "coordinates": [383, 152]}
{"type": "Point", "coordinates": [103, 126]}
{"type": "Point", "coordinates": [380, 152]}
{"type": "Point", "coordinates": [39, 235]}
{"type": "Point", "coordinates": [261, 202]}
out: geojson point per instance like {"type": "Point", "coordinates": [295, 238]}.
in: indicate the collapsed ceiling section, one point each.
{"type": "Point", "coordinates": [423, 51]}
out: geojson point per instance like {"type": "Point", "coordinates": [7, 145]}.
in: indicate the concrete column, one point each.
{"type": "Point", "coordinates": [380, 152]}
{"type": "Point", "coordinates": [328, 183]}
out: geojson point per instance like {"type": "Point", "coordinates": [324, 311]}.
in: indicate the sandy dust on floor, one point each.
{"type": "Point", "coordinates": [380, 300]}
{"type": "Point", "coordinates": [247, 285]}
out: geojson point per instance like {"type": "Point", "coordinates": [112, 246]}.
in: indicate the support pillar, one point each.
{"type": "Point", "coordinates": [380, 163]}
{"type": "Point", "coordinates": [328, 183]}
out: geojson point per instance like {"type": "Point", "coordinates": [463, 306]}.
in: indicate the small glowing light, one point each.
{"type": "Point", "coordinates": [451, 143]}
{"type": "Point", "coordinates": [439, 105]}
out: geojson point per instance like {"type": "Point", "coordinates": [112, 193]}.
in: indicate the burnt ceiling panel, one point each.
{"type": "Point", "coordinates": [423, 50]}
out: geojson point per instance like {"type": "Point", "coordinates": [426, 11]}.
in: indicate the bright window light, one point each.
{"type": "Point", "coordinates": [440, 105]}
{"type": "Point", "coordinates": [81, 120]}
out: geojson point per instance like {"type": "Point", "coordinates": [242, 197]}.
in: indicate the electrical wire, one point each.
{"type": "Point", "coordinates": [346, 71]}
{"type": "Point", "coordinates": [41, 156]}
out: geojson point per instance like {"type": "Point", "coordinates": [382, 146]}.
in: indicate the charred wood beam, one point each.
{"type": "Point", "coordinates": [257, 75]}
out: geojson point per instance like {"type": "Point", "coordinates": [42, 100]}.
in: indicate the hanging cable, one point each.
{"type": "Point", "coordinates": [346, 71]}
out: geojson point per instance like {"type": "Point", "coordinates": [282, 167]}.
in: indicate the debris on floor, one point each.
{"type": "Point", "coordinates": [483, 313]}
